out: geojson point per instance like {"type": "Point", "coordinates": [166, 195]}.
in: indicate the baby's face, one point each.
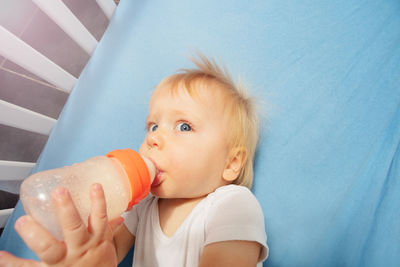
{"type": "Point", "coordinates": [187, 140]}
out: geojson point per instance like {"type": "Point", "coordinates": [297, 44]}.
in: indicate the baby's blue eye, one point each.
{"type": "Point", "coordinates": [184, 127]}
{"type": "Point", "coordinates": [153, 127]}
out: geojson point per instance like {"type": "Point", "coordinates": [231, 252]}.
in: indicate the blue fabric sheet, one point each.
{"type": "Point", "coordinates": [328, 77]}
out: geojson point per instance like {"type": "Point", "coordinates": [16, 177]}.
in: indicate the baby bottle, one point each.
{"type": "Point", "coordinates": [126, 178]}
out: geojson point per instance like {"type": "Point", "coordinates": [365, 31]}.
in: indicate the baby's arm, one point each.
{"type": "Point", "coordinates": [82, 246]}
{"type": "Point", "coordinates": [123, 241]}
{"type": "Point", "coordinates": [231, 254]}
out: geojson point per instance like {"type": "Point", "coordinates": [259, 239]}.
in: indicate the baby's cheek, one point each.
{"type": "Point", "coordinates": [142, 148]}
{"type": "Point", "coordinates": [182, 163]}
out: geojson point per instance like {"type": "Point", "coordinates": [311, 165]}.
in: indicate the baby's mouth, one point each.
{"type": "Point", "coordinates": [157, 179]}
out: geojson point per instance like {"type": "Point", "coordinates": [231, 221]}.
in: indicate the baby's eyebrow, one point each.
{"type": "Point", "coordinates": [146, 123]}
{"type": "Point", "coordinates": [180, 113]}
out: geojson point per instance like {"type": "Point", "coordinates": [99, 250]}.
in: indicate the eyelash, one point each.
{"type": "Point", "coordinates": [186, 122]}
{"type": "Point", "coordinates": [151, 124]}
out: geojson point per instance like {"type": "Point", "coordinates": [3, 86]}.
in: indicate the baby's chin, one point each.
{"type": "Point", "coordinates": [177, 195]}
{"type": "Point", "coordinates": [159, 192]}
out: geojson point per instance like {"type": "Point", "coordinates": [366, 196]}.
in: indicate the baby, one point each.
{"type": "Point", "coordinates": [202, 133]}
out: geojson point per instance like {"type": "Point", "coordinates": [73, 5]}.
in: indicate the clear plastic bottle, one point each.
{"type": "Point", "coordinates": [126, 178]}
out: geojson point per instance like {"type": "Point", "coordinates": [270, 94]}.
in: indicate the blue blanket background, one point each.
{"type": "Point", "coordinates": [328, 76]}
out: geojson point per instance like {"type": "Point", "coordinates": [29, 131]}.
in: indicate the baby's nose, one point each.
{"type": "Point", "coordinates": [154, 140]}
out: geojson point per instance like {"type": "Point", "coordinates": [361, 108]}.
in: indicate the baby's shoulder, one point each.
{"type": "Point", "coordinates": [231, 206]}
{"type": "Point", "coordinates": [231, 196]}
{"type": "Point", "coordinates": [231, 191]}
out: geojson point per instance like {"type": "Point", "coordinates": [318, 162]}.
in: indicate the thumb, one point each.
{"type": "Point", "coordinates": [8, 260]}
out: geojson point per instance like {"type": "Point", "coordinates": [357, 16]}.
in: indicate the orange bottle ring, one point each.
{"type": "Point", "coordinates": [137, 172]}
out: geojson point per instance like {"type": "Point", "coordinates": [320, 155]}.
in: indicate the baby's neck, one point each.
{"type": "Point", "coordinates": [173, 212]}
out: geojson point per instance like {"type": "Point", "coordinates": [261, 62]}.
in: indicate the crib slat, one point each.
{"type": "Point", "coordinates": [4, 215]}
{"type": "Point", "coordinates": [15, 170]}
{"type": "Point", "coordinates": [67, 21]}
{"type": "Point", "coordinates": [108, 7]}
{"type": "Point", "coordinates": [14, 49]}
{"type": "Point", "coordinates": [16, 116]}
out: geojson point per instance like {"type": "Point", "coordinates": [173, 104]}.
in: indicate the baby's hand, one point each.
{"type": "Point", "coordinates": [82, 246]}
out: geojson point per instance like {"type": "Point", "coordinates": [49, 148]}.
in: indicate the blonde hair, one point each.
{"type": "Point", "coordinates": [243, 120]}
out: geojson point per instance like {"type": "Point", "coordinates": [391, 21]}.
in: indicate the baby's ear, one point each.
{"type": "Point", "coordinates": [234, 165]}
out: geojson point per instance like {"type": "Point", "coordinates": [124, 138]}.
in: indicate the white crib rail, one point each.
{"type": "Point", "coordinates": [108, 7]}
{"type": "Point", "coordinates": [18, 117]}
{"type": "Point", "coordinates": [64, 18]}
{"type": "Point", "coordinates": [16, 50]}
{"type": "Point", "coordinates": [4, 215]}
{"type": "Point", "coordinates": [15, 170]}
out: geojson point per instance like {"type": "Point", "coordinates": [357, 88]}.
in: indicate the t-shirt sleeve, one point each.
{"type": "Point", "coordinates": [132, 217]}
{"type": "Point", "coordinates": [235, 214]}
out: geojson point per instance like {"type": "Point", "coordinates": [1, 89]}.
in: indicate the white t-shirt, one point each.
{"type": "Point", "coordinates": [229, 213]}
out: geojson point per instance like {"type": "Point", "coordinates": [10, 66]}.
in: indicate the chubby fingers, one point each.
{"type": "Point", "coordinates": [98, 220]}
{"type": "Point", "coordinates": [74, 230]}
{"type": "Point", "coordinates": [99, 226]}
{"type": "Point", "coordinates": [47, 247]}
